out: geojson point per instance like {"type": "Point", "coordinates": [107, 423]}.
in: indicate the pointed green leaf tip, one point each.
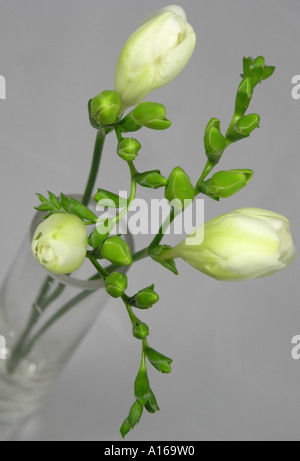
{"type": "Point", "coordinates": [151, 405]}
{"type": "Point", "coordinates": [156, 254]}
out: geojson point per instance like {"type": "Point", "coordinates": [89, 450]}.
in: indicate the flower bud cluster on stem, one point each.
{"type": "Point", "coordinates": [247, 243]}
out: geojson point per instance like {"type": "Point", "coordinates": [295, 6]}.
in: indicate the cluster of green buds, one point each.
{"type": "Point", "coordinates": [241, 125]}
{"type": "Point", "coordinates": [226, 183]}
{"type": "Point", "coordinates": [144, 395]}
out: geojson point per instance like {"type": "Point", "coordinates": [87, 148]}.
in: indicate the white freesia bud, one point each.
{"type": "Point", "coordinates": [60, 243]}
{"type": "Point", "coordinates": [245, 244]}
{"type": "Point", "coordinates": [154, 54]}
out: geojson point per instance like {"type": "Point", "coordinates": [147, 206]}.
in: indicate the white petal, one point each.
{"type": "Point", "coordinates": [177, 59]}
{"type": "Point", "coordinates": [177, 10]}
{"type": "Point", "coordinates": [258, 212]}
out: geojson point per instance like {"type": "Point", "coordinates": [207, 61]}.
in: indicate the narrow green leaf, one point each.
{"type": "Point", "coordinates": [54, 201]}
{"type": "Point", "coordinates": [82, 211]}
{"type": "Point", "coordinates": [151, 405]}
{"type": "Point", "coordinates": [66, 204]}
{"type": "Point", "coordinates": [45, 207]}
{"type": "Point", "coordinates": [42, 198]}
{"type": "Point", "coordinates": [168, 263]}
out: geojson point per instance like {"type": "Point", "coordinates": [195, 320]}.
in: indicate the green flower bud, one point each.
{"type": "Point", "coordinates": [133, 419]}
{"type": "Point", "coordinates": [60, 243]}
{"type": "Point", "coordinates": [105, 107]}
{"type": "Point", "coordinates": [152, 179]}
{"type": "Point", "coordinates": [253, 68]}
{"type": "Point", "coordinates": [142, 386]}
{"type": "Point", "coordinates": [244, 96]}
{"type": "Point", "coordinates": [101, 233]}
{"type": "Point", "coordinates": [226, 183]}
{"type": "Point", "coordinates": [244, 127]}
{"type": "Point", "coordinates": [152, 115]}
{"type": "Point", "coordinates": [245, 244]}
{"type": "Point", "coordinates": [158, 360]}
{"type": "Point", "coordinates": [140, 330]}
{"type": "Point", "coordinates": [149, 114]}
{"type": "Point", "coordinates": [214, 141]}
{"type": "Point", "coordinates": [135, 414]}
{"type": "Point", "coordinates": [145, 298]}
{"type": "Point", "coordinates": [214, 122]}
{"type": "Point", "coordinates": [116, 284]}
{"type": "Point", "coordinates": [117, 251]}
{"type": "Point", "coordinates": [128, 149]}
{"type": "Point", "coordinates": [154, 54]}
{"type": "Point", "coordinates": [179, 187]}
{"type": "Point", "coordinates": [257, 70]}
{"type": "Point", "coordinates": [125, 428]}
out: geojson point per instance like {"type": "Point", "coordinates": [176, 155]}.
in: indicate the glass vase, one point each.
{"type": "Point", "coordinates": [43, 319]}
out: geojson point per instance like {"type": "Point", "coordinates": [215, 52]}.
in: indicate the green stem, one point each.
{"type": "Point", "coordinates": [39, 307]}
{"type": "Point", "coordinates": [99, 144]}
{"type": "Point", "coordinates": [138, 256]}
{"type": "Point", "coordinates": [102, 272]}
{"type": "Point", "coordinates": [132, 193]}
{"type": "Point", "coordinates": [158, 238]}
{"type": "Point", "coordinates": [206, 170]}
{"type": "Point", "coordinates": [63, 311]}
{"type": "Point", "coordinates": [134, 320]}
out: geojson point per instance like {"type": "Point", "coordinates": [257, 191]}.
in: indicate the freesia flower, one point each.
{"type": "Point", "coordinates": [60, 243]}
{"type": "Point", "coordinates": [154, 54]}
{"type": "Point", "coordinates": [245, 244]}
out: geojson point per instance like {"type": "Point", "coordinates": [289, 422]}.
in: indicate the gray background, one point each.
{"type": "Point", "coordinates": [233, 376]}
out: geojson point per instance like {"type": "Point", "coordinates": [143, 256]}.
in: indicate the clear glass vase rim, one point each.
{"type": "Point", "coordinates": [89, 285]}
